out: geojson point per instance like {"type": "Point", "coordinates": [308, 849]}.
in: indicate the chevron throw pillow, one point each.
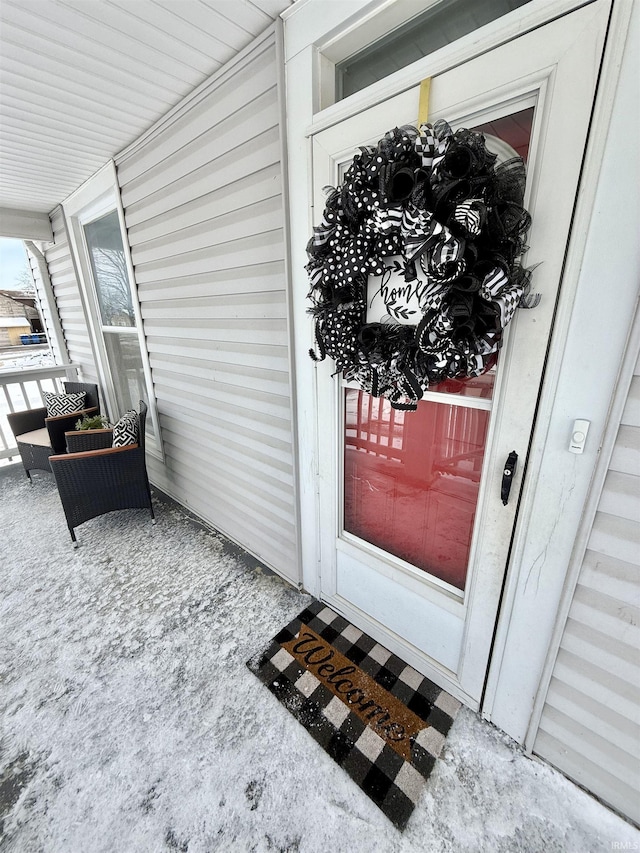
{"type": "Point", "coordinates": [126, 430]}
{"type": "Point", "coordinates": [63, 404]}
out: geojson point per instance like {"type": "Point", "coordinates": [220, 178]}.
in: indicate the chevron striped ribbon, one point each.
{"type": "Point", "coordinates": [444, 262]}
{"type": "Point", "coordinates": [419, 229]}
{"type": "Point", "coordinates": [468, 216]}
{"type": "Point", "coordinates": [387, 219]}
{"type": "Point", "coordinates": [493, 283]}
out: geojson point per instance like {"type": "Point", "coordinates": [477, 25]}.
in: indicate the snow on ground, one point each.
{"type": "Point", "coordinates": [130, 722]}
{"type": "Point", "coordinates": [16, 358]}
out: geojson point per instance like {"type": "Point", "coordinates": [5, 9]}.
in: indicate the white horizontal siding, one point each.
{"type": "Point", "coordinates": [590, 724]}
{"type": "Point", "coordinates": [68, 301]}
{"type": "Point", "coordinates": [626, 454]}
{"type": "Point", "coordinates": [244, 162]}
{"type": "Point", "coordinates": [204, 211]}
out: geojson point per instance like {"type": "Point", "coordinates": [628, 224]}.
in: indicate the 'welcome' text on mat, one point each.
{"type": "Point", "coordinates": [378, 718]}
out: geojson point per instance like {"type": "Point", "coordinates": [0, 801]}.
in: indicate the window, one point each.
{"type": "Point", "coordinates": [117, 318]}
{"type": "Point", "coordinates": [23, 340]}
{"type": "Point", "coordinates": [96, 229]}
{"type": "Point", "coordinates": [441, 24]}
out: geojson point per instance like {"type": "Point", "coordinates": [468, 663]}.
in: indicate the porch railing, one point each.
{"type": "Point", "coordinates": [24, 389]}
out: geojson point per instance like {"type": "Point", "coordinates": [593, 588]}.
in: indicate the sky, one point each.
{"type": "Point", "coordinates": [13, 260]}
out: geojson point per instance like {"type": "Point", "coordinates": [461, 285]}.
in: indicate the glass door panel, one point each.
{"type": "Point", "coordinates": [514, 129]}
{"type": "Point", "coordinates": [476, 386]}
{"type": "Point", "coordinates": [411, 480]}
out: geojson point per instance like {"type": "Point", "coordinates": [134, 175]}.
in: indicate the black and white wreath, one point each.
{"type": "Point", "coordinates": [414, 271]}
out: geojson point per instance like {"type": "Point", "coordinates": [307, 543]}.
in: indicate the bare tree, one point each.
{"type": "Point", "coordinates": [113, 288]}
{"type": "Point", "coordinates": [24, 279]}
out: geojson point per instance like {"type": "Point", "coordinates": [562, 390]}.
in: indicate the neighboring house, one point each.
{"type": "Point", "coordinates": [10, 305]}
{"type": "Point", "coordinates": [10, 330]}
{"type": "Point", "coordinates": [176, 273]}
{"type": "Point", "coordinates": [21, 303]}
{"type": "Point", "coordinates": [18, 316]}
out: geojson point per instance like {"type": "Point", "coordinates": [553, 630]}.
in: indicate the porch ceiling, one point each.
{"type": "Point", "coordinates": [82, 79]}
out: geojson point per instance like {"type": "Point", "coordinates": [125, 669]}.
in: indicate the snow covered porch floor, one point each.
{"type": "Point", "coordinates": [130, 722]}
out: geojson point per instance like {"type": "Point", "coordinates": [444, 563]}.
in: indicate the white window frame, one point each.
{"type": "Point", "coordinates": [97, 197]}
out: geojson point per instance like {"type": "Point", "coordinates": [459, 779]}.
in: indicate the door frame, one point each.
{"type": "Point", "coordinates": [540, 69]}
{"type": "Point", "coordinates": [554, 478]}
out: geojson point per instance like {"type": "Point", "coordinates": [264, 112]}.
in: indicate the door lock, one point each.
{"type": "Point", "coordinates": [508, 475]}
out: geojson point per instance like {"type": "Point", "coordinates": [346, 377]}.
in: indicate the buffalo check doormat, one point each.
{"type": "Point", "coordinates": [379, 719]}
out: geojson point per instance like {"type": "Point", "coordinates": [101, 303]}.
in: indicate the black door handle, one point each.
{"type": "Point", "coordinates": [508, 475]}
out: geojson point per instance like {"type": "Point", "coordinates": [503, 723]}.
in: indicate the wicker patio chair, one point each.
{"type": "Point", "coordinates": [93, 482]}
{"type": "Point", "coordinates": [78, 441]}
{"type": "Point", "coordinates": [38, 436]}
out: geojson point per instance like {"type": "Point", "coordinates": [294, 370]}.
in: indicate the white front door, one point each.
{"type": "Point", "coordinates": [414, 535]}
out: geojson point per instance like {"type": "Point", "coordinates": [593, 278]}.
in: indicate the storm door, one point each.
{"type": "Point", "coordinates": [414, 533]}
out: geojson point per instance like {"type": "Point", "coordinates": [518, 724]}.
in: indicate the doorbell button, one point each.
{"type": "Point", "coordinates": [578, 436]}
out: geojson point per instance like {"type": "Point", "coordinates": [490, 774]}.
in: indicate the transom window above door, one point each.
{"type": "Point", "coordinates": [442, 23]}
